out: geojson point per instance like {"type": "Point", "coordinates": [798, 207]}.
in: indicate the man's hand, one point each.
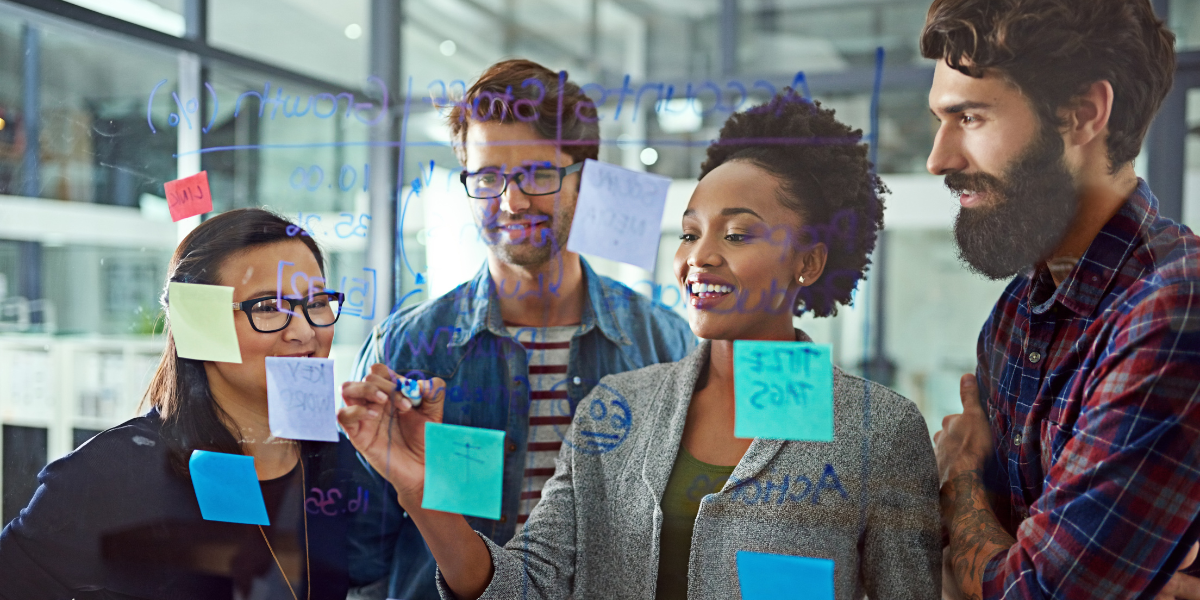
{"type": "Point", "coordinates": [1182, 587]}
{"type": "Point", "coordinates": [963, 447]}
{"type": "Point", "coordinates": [389, 432]}
{"type": "Point", "coordinates": [965, 441]}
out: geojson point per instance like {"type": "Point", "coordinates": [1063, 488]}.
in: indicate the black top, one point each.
{"type": "Point", "coordinates": [112, 520]}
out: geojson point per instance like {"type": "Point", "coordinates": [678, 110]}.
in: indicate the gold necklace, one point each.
{"type": "Point", "coordinates": [307, 570]}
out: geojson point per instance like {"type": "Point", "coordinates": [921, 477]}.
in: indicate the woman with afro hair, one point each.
{"type": "Point", "coordinates": [653, 495]}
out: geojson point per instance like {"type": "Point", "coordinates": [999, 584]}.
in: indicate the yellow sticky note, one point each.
{"type": "Point", "coordinates": [202, 322]}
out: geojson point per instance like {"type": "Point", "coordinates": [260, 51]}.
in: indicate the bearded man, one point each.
{"type": "Point", "coordinates": [1074, 470]}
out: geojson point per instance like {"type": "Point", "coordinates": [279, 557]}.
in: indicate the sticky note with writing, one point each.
{"type": "Point", "coordinates": [202, 322]}
{"type": "Point", "coordinates": [301, 401]}
{"type": "Point", "coordinates": [783, 391]}
{"type": "Point", "coordinates": [227, 488]}
{"type": "Point", "coordinates": [618, 215]}
{"type": "Point", "coordinates": [464, 470]}
{"type": "Point", "coordinates": [763, 576]}
{"type": "Point", "coordinates": [189, 196]}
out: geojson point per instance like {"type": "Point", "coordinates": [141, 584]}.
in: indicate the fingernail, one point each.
{"type": "Point", "coordinates": [382, 396]}
{"type": "Point", "coordinates": [405, 403]}
{"type": "Point", "coordinates": [373, 413]}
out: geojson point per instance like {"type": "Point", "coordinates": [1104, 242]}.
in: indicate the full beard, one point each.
{"type": "Point", "coordinates": [1028, 211]}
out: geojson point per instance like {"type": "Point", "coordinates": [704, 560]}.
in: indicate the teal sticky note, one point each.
{"type": "Point", "coordinates": [763, 576]}
{"type": "Point", "coordinates": [783, 391]}
{"type": "Point", "coordinates": [464, 470]}
{"type": "Point", "coordinates": [227, 488]}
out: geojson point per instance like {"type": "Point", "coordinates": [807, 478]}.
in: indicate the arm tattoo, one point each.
{"type": "Point", "coordinates": [975, 533]}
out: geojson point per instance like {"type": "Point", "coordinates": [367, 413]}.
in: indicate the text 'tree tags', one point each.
{"type": "Point", "coordinates": [618, 215]}
{"type": "Point", "coordinates": [301, 399]}
{"type": "Point", "coordinates": [202, 322]}
{"type": "Point", "coordinates": [464, 470]}
{"type": "Point", "coordinates": [783, 391]}
{"type": "Point", "coordinates": [227, 488]}
{"type": "Point", "coordinates": [763, 576]}
{"type": "Point", "coordinates": [189, 196]}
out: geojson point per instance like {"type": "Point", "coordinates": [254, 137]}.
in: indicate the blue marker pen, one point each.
{"type": "Point", "coordinates": [411, 388]}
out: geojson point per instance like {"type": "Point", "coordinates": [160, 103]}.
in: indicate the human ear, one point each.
{"type": "Point", "coordinates": [1088, 114]}
{"type": "Point", "coordinates": [812, 264]}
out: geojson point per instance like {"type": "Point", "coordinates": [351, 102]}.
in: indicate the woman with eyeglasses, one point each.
{"type": "Point", "coordinates": [653, 494]}
{"type": "Point", "coordinates": [119, 517]}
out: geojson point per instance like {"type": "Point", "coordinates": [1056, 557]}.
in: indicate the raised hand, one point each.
{"type": "Point", "coordinates": [389, 432]}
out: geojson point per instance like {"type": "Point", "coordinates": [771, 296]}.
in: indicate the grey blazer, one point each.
{"type": "Point", "coordinates": [868, 500]}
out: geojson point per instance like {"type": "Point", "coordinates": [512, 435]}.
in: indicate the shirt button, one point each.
{"type": "Point", "coordinates": [1035, 357]}
{"type": "Point", "coordinates": [577, 381]}
{"type": "Point", "coordinates": [1018, 438]}
{"type": "Point", "coordinates": [503, 518]}
{"type": "Point", "coordinates": [512, 447]}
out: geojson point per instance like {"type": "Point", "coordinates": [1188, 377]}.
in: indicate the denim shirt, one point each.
{"type": "Point", "coordinates": [461, 338]}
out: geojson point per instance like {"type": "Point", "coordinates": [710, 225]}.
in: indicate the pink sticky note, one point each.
{"type": "Point", "coordinates": [189, 196]}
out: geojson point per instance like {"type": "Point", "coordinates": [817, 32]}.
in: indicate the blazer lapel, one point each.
{"type": "Point", "coordinates": [669, 414]}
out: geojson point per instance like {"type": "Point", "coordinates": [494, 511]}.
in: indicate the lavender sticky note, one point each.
{"type": "Point", "coordinates": [227, 488]}
{"type": "Point", "coordinates": [618, 215]}
{"type": "Point", "coordinates": [763, 576]}
{"type": "Point", "coordinates": [301, 399]}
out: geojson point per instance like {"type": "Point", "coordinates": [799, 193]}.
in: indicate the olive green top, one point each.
{"type": "Point", "coordinates": [691, 480]}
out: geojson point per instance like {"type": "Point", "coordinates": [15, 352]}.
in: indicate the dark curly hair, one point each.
{"type": "Point", "coordinates": [825, 177]}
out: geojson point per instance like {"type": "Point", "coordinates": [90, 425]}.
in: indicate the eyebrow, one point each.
{"type": "Point", "coordinates": [728, 212]}
{"type": "Point", "coordinates": [960, 107]}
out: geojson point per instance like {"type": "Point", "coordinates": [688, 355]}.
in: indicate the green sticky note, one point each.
{"type": "Point", "coordinates": [202, 322]}
{"type": "Point", "coordinates": [763, 576]}
{"type": "Point", "coordinates": [783, 391]}
{"type": "Point", "coordinates": [464, 470]}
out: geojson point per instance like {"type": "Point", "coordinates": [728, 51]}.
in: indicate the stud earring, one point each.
{"type": "Point", "coordinates": [801, 279]}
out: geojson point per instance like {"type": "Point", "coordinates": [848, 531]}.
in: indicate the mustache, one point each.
{"type": "Point", "coordinates": [495, 222]}
{"type": "Point", "coordinates": [958, 183]}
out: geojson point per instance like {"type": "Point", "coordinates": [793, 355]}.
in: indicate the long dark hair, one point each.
{"type": "Point", "coordinates": [191, 418]}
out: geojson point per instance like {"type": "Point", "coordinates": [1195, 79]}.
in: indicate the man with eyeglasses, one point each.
{"type": "Point", "coordinates": [536, 329]}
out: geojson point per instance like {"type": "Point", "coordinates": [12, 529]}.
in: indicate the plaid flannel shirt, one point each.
{"type": "Point", "coordinates": [1091, 389]}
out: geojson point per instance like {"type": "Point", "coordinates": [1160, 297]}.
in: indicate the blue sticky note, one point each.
{"type": "Point", "coordinates": [765, 576]}
{"type": "Point", "coordinates": [227, 488]}
{"type": "Point", "coordinates": [464, 470]}
{"type": "Point", "coordinates": [301, 398]}
{"type": "Point", "coordinates": [783, 391]}
{"type": "Point", "coordinates": [618, 215]}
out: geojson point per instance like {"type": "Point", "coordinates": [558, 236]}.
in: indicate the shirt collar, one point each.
{"type": "Point", "coordinates": [477, 308]}
{"type": "Point", "coordinates": [1093, 275]}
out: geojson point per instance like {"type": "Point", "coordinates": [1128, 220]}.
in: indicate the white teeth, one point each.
{"type": "Point", "coordinates": [709, 288]}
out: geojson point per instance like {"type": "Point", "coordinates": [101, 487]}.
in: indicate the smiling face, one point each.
{"type": "Point", "coordinates": [738, 258]}
{"type": "Point", "coordinates": [520, 229]}
{"type": "Point", "coordinates": [1018, 197]}
{"type": "Point", "coordinates": [255, 273]}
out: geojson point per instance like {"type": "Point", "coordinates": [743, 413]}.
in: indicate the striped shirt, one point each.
{"type": "Point", "coordinates": [549, 349]}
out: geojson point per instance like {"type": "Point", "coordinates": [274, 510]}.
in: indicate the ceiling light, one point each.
{"type": "Point", "coordinates": [448, 48]}
{"type": "Point", "coordinates": [353, 31]}
{"type": "Point", "coordinates": [649, 156]}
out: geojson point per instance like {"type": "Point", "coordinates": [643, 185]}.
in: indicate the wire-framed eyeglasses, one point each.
{"type": "Point", "coordinates": [533, 180]}
{"type": "Point", "coordinates": [268, 315]}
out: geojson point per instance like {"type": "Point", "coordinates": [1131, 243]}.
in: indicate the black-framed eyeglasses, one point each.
{"type": "Point", "coordinates": [267, 314]}
{"type": "Point", "coordinates": [534, 180]}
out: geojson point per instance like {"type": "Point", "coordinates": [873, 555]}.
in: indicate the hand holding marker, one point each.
{"type": "Point", "coordinates": [411, 388]}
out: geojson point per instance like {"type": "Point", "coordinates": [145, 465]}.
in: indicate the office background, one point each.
{"type": "Point", "coordinates": [103, 101]}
